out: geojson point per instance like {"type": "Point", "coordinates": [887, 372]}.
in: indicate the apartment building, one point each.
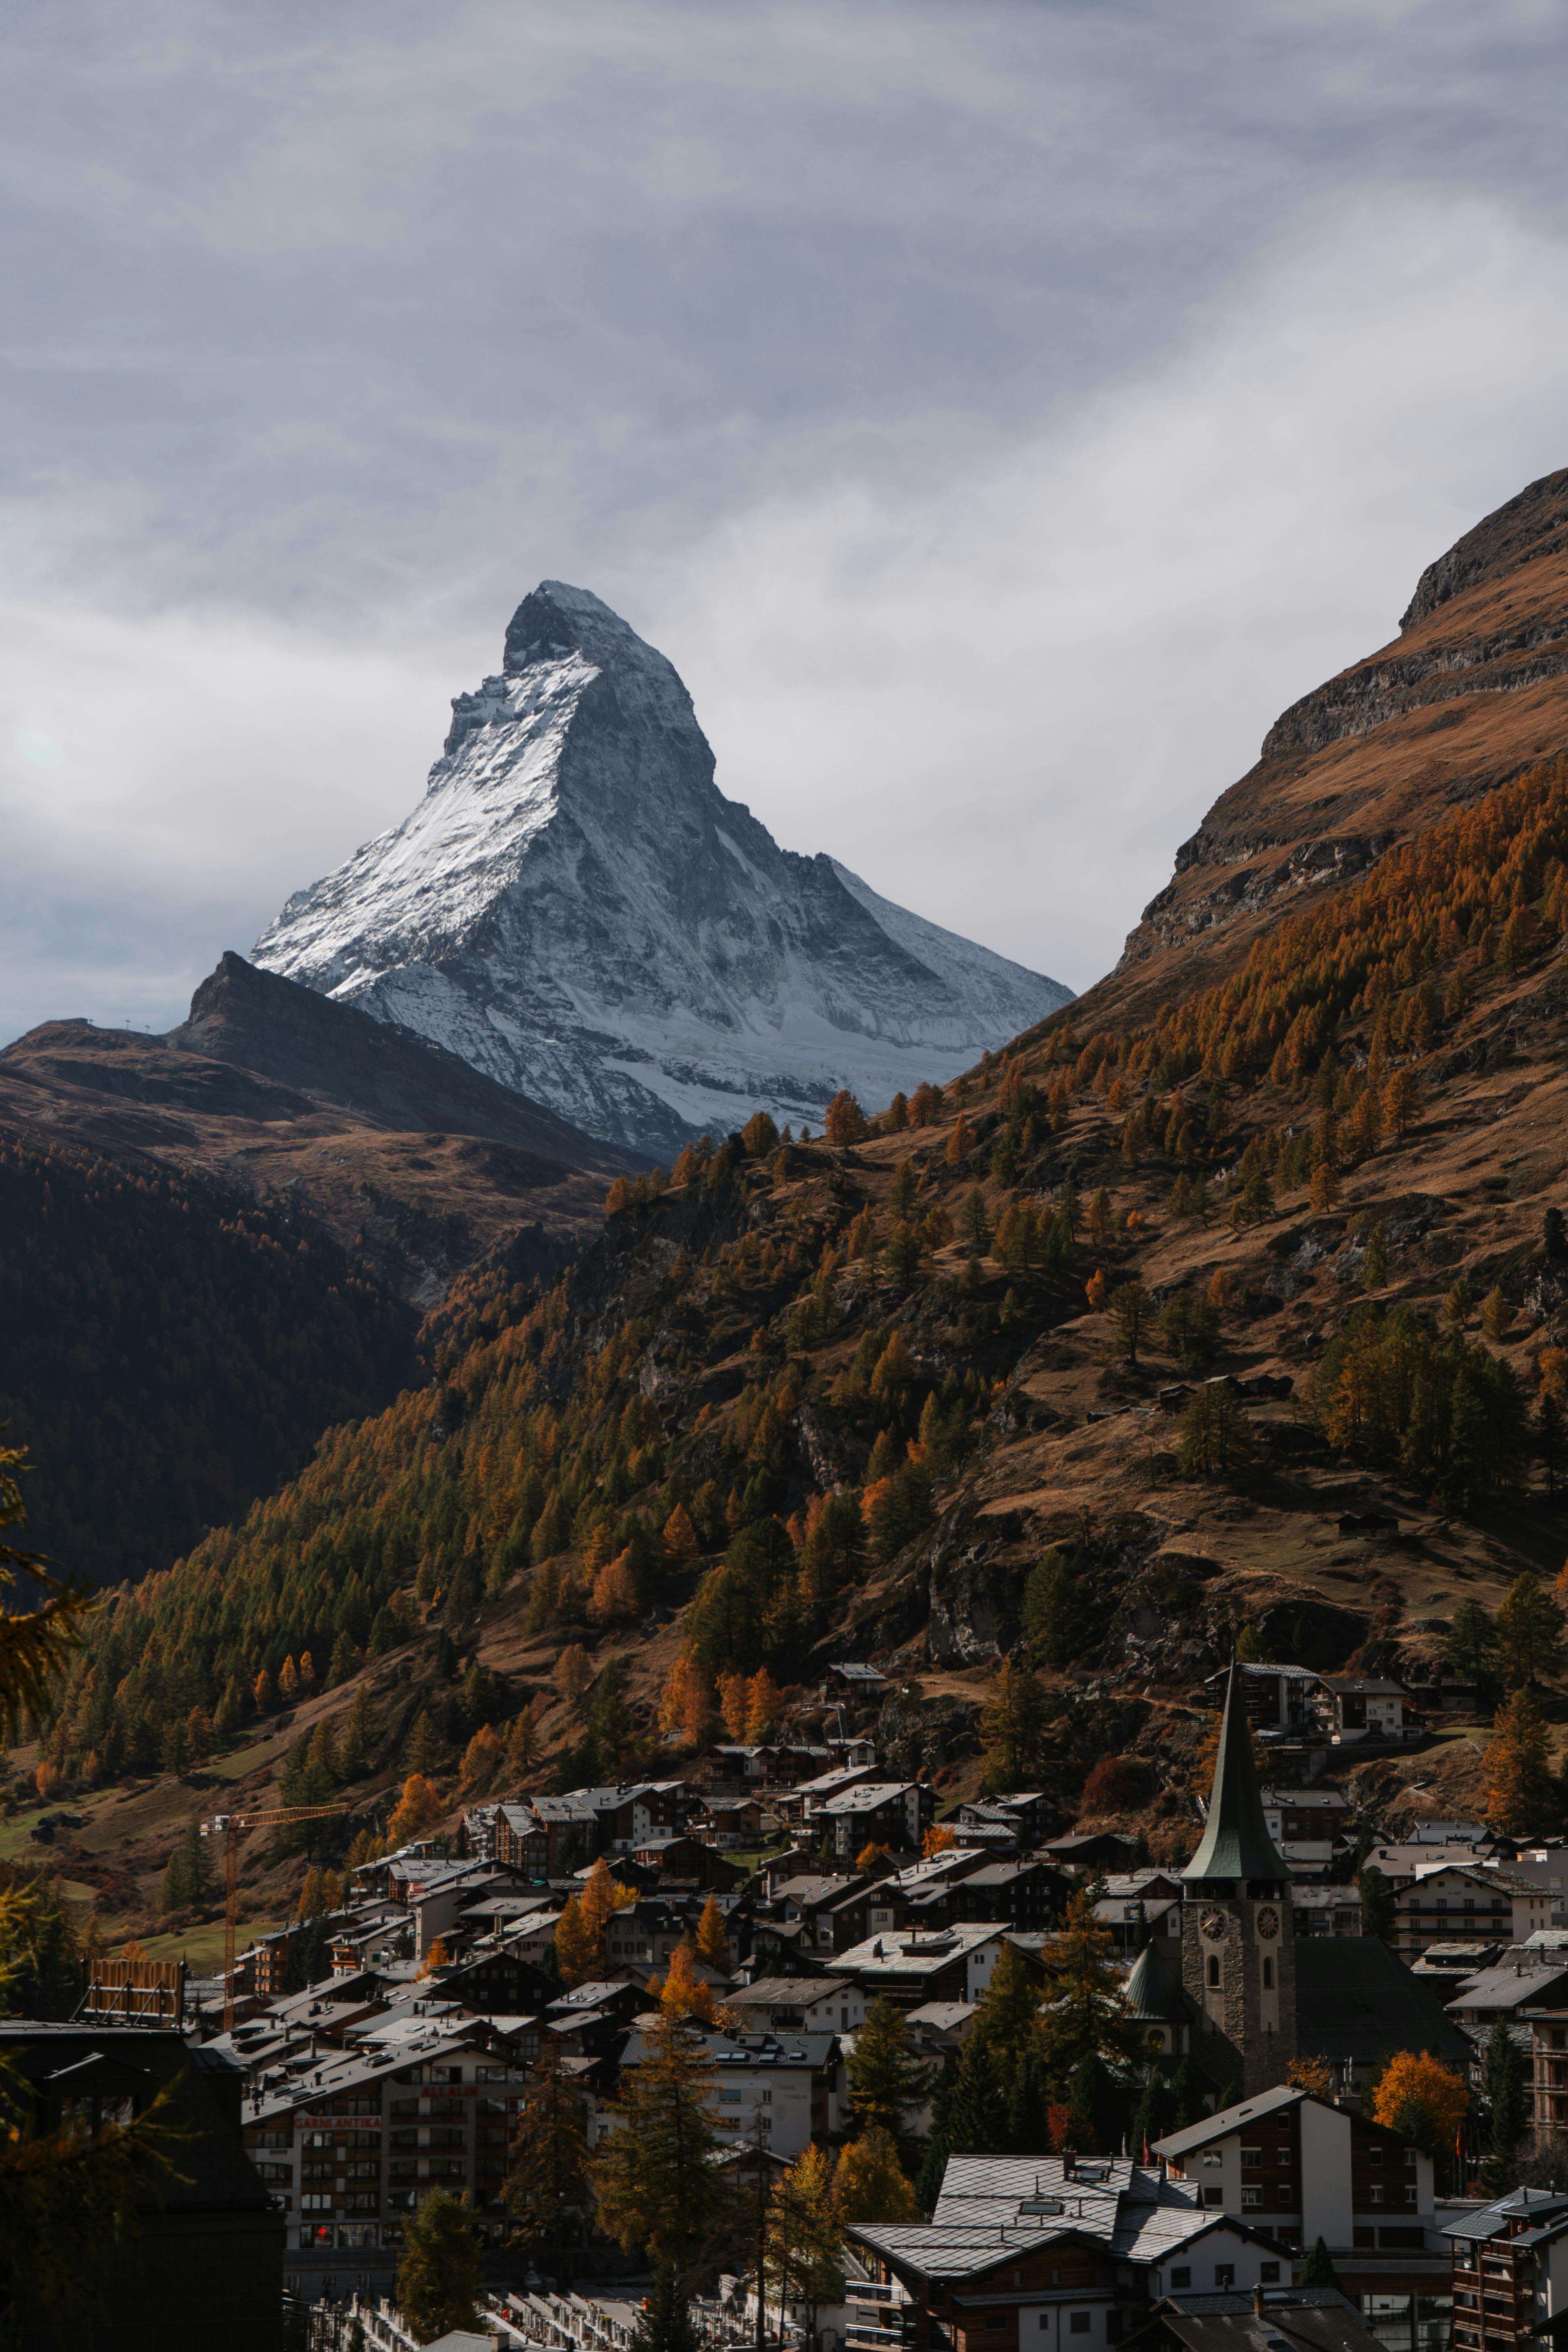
{"type": "Point", "coordinates": [1510, 2270]}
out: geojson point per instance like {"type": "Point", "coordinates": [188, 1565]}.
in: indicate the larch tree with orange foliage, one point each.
{"type": "Point", "coordinates": [732, 1703]}
{"type": "Point", "coordinates": [682, 1992]}
{"type": "Point", "coordinates": [1520, 1790]}
{"type": "Point", "coordinates": [679, 1539]}
{"type": "Point", "coordinates": [685, 1705]}
{"type": "Point", "coordinates": [574, 1947]}
{"type": "Point", "coordinates": [845, 1122]}
{"type": "Point", "coordinates": [1422, 2099]}
{"type": "Point", "coordinates": [764, 1705]}
{"type": "Point", "coordinates": [418, 1808]}
{"type": "Point", "coordinates": [1313, 2075]}
{"type": "Point", "coordinates": [713, 1937]}
{"type": "Point", "coordinates": [938, 1839]}
{"type": "Point", "coordinates": [602, 1897]}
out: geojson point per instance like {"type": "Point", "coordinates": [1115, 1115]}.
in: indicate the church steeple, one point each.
{"type": "Point", "coordinates": [1236, 1843]}
{"type": "Point", "coordinates": [1238, 1942]}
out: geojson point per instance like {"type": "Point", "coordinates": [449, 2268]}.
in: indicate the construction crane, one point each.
{"type": "Point", "coordinates": [228, 1827]}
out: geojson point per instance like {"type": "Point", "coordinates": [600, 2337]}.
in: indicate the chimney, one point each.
{"type": "Point", "coordinates": [1258, 2299]}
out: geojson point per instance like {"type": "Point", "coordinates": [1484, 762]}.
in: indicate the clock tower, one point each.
{"type": "Point", "coordinates": [1238, 1944]}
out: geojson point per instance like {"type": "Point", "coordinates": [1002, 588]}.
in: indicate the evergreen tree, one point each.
{"type": "Point", "coordinates": [1529, 1634]}
{"type": "Point", "coordinates": [654, 2178]}
{"type": "Point", "coordinates": [1317, 2267]}
{"type": "Point", "coordinates": [1051, 1616]}
{"type": "Point", "coordinates": [438, 2276]}
{"type": "Point", "coordinates": [885, 2080]}
{"type": "Point", "coordinates": [1471, 1646]}
{"type": "Point", "coordinates": [547, 2185]}
{"type": "Point", "coordinates": [664, 2324]}
{"type": "Point", "coordinates": [1505, 2085]}
{"type": "Point", "coordinates": [1379, 1910]}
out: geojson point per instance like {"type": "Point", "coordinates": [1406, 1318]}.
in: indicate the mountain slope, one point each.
{"type": "Point", "coordinates": [886, 1401]}
{"type": "Point", "coordinates": [574, 910]}
{"type": "Point", "coordinates": [254, 1021]}
{"type": "Point", "coordinates": [1473, 690]}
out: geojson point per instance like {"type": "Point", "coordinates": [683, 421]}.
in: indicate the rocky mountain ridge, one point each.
{"type": "Point", "coordinates": [1473, 689]}
{"type": "Point", "coordinates": [576, 910]}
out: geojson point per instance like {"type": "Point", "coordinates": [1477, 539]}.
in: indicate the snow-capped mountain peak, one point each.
{"type": "Point", "coordinates": [576, 910]}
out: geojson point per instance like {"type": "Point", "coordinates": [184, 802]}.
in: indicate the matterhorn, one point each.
{"type": "Point", "coordinates": [577, 911]}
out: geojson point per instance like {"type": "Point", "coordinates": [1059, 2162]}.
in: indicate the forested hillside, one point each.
{"type": "Point", "coordinates": [1101, 1357]}
{"type": "Point", "coordinates": [167, 1351]}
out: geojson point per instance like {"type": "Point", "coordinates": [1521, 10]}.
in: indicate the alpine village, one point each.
{"type": "Point", "coordinates": [926, 1720]}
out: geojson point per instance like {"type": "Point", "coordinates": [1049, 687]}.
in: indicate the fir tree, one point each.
{"type": "Point", "coordinates": [1529, 1627]}
{"type": "Point", "coordinates": [438, 2276]}
{"type": "Point", "coordinates": [1505, 2085]}
{"type": "Point", "coordinates": [654, 2179]}
{"type": "Point", "coordinates": [547, 2185]}
{"type": "Point", "coordinates": [885, 2080]}
{"type": "Point", "coordinates": [664, 2324]}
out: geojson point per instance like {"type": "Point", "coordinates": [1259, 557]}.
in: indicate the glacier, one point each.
{"type": "Point", "coordinates": [577, 911]}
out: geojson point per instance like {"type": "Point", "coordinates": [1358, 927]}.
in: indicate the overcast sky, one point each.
{"type": "Point", "coordinates": [998, 412]}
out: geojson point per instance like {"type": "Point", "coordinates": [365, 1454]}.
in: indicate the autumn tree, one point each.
{"type": "Point", "coordinates": [1314, 2074]}
{"type": "Point", "coordinates": [870, 2183]}
{"type": "Point", "coordinates": [603, 1895]}
{"type": "Point", "coordinates": [686, 1704]}
{"type": "Point", "coordinates": [1013, 1729]}
{"type": "Point", "coordinates": [1421, 2099]}
{"type": "Point", "coordinates": [713, 1937]}
{"type": "Point", "coordinates": [764, 1705]}
{"type": "Point", "coordinates": [845, 1122]}
{"type": "Point", "coordinates": [576, 1952]}
{"type": "Point", "coordinates": [682, 1992]}
{"type": "Point", "coordinates": [1084, 2012]}
{"type": "Point", "coordinates": [1521, 1791]}
{"type": "Point", "coordinates": [418, 1809]}
{"type": "Point", "coordinates": [804, 2244]}
{"type": "Point", "coordinates": [572, 1675]}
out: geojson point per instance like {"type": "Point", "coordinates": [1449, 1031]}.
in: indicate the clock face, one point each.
{"type": "Point", "coordinates": [1268, 1921]}
{"type": "Point", "coordinates": [1214, 1924]}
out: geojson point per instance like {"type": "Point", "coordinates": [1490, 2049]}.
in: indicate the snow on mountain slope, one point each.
{"type": "Point", "coordinates": [576, 910]}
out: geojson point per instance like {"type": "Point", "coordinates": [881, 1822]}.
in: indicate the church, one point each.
{"type": "Point", "coordinates": [1257, 1994]}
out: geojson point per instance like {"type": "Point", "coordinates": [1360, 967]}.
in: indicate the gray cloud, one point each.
{"type": "Point", "coordinates": [997, 411]}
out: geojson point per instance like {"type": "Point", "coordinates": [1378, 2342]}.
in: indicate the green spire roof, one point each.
{"type": "Point", "coordinates": [1236, 1843]}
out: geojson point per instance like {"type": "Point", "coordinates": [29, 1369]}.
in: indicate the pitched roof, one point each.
{"type": "Point", "coordinates": [1236, 1843]}
{"type": "Point", "coordinates": [1354, 1999]}
{"type": "Point", "coordinates": [1152, 1992]}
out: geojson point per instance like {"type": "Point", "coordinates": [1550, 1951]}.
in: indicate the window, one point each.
{"type": "Point", "coordinates": [1214, 2197]}
{"type": "Point", "coordinates": [1285, 2192]}
{"type": "Point", "coordinates": [1282, 2157]}
{"type": "Point", "coordinates": [1410, 2193]}
{"type": "Point", "coordinates": [994, 2319]}
{"type": "Point", "coordinates": [1374, 2194]}
{"type": "Point", "coordinates": [1269, 2273]}
{"type": "Point", "coordinates": [1268, 1976]}
{"type": "Point", "coordinates": [1181, 2276]}
{"type": "Point", "coordinates": [1077, 2323]}
{"type": "Point", "coordinates": [1374, 2156]}
{"type": "Point", "coordinates": [1214, 2156]}
{"type": "Point", "coordinates": [1251, 2158]}
{"type": "Point", "coordinates": [767, 2095]}
{"type": "Point", "coordinates": [729, 2098]}
{"type": "Point", "coordinates": [1251, 2197]}
{"type": "Point", "coordinates": [1224, 2274]}
{"type": "Point", "coordinates": [1214, 1968]}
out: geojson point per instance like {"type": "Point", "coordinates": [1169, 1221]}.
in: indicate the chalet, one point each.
{"type": "Point", "coordinates": [1450, 1902]}
{"type": "Point", "coordinates": [1046, 2251]}
{"type": "Point", "coordinates": [1511, 2270]}
{"type": "Point", "coordinates": [1363, 1707]}
{"type": "Point", "coordinates": [825, 2004]}
{"type": "Point", "coordinates": [909, 1968]}
{"type": "Point", "coordinates": [887, 1812]}
{"type": "Point", "coordinates": [785, 2089]}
